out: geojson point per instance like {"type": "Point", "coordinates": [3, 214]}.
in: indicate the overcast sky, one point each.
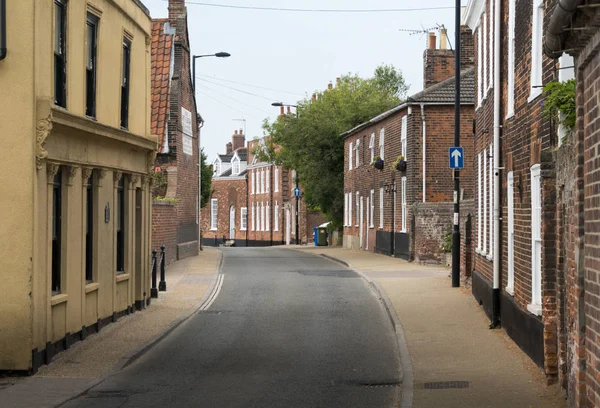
{"type": "Point", "coordinates": [294, 53]}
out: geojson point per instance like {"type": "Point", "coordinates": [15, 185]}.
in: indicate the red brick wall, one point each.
{"type": "Point", "coordinates": [228, 193]}
{"type": "Point", "coordinates": [164, 229]}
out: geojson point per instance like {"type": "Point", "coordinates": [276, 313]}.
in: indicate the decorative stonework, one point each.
{"type": "Point", "coordinates": [101, 176]}
{"type": "Point", "coordinates": [51, 170]}
{"type": "Point", "coordinates": [86, 173]}
{"type": "Point", "coordinates": [42, 130]}
{"type": "Point", "coordinates": [146, 181]}
{"type": "Point", "coordinates": [71, 173]}
{"type": "Point", "coordinates": [133, 180]}
{"type": "Point", "coordinates": [150, 160]}
{"type": "Point", "coordinates": [117, 175]}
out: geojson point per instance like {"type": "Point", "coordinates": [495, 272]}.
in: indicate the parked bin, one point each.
{"type": "Point", "coordinates": [315, 236]}
{"type": "Point", "coordinates": [321, 236]}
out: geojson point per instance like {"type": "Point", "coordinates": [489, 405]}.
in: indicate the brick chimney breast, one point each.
{"type": "Point", "coordinates": [176, 8]}
{"type": "Point", "coordinates": [228, 148]}
{"type": "Point", "coordinates": [438, 64]}
{"type": "Point", "coordinates": [238, 140]}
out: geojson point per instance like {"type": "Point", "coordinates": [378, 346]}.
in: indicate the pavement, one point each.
{"type": "Point", "coordinates": [87, 363]}
{"type": "Point", "coordinates": [287, 330]}
{"type": "Point", "coordinates": [444, 339]}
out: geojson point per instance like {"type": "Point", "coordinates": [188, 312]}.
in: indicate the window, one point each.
{"type": "Point", "coordinates": [536, 241]}
{"type": "Point", "coordinates": [89, 229]}
{"type": "Point", "coordinates": [253, 217]}
{"type": "Point", "coordinates": [479, 202]}
{"type": "Point", "coordinates": [491, 204]}
{"type": "Point", "coordinates": [57, 233]}
{"type": "Point", "coordinates": [511, 59]}
{"type": "Point", "coordinates": [214, 209]}
{"type": "Point", "coordinates": [485, 53]}
{"type": "Point", "coordinates": [403, 135]}
{"type": "Point", "coordinates": [276, 216]}
{"type": "Point", "coordinates": [60, 53]}
{"type": "Point", "coordinates": [510, 285]}
{"type": "Point", "coordinates": [217, 168]}
{"type": "Point", "coordinates": [566, 71]}
{"type": "Point", "coordinates": [235, 167]}
{"type": "Point", "coordinates": [257, 217]}
{"type": "Point", "coordinates": [357, 209]}
{"type": "Point", "coordinates": [268, 180]}
{"type": "Point", "coordinates": [125, 83]}
{"type": "Point", "coordinates": [381, 208]}
{"type": "Point", "coordinates": [491, 46]}
{"type": "Point", "coordinates": [404, 213]}
{"type": "Point", "coordinates": [349, 209]}
{"type": "Point", "coordinates": [537, 31]}
{"type": "Point", "coordinates": [381, 143]}
{"type": "Point", "coordinates": [253, 178]}
{"type": "Point", "coordinates": [484, 198]}
{"type": "Point", "coordinates": [372, 147]}
{"type": "Point", "coordinates": [268, 218]}
{"type": "Point", "coordinates": [372, 215]}
{"type": "Point", "coordinates": [276, 187]}
{"type": "Point", "coordinates": [367, 212]}
{"type": "Point", "coordinates": [345, 209]}
{"type": "Point", "coordinates": [262, 216]}
{"type": "Point", "coordinates": [121, 225]}
{"type": "Point", "coordinates": [357, 153]}
{"type": "Point", "coordinates": [262, 181]}
{"type": "Point", "coordinates": [350, 157]}
{"type": "Point", "coordinates": [90, 65]}
{"type": "Point", "coordinates": [479, 66]}
{"type": "Point", "coordinates": [244, 219]}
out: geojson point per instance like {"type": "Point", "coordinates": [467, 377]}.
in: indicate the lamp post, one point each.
{"type": "Point", "coordinates": [194, 57]}
{"type": "Point", "coordinates": [281, 104]}
{"type": "Point", "coordinates": [456, 229]}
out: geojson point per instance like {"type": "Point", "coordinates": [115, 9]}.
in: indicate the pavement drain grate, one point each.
{"type": "Point", "coordinates": [444, 385]}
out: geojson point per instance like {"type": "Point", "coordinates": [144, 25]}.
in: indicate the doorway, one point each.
{"type": "Point", "coordinates": [232, 222]}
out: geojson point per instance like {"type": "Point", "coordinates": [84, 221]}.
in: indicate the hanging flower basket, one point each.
{"type": "Point", "coordinates": [400, 164]}
{"type": "Point", "coordinates": [377, 163]}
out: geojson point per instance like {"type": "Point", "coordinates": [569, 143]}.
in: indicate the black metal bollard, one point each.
{"type": "Point", "coordinates": [162, 286]}
{"type": "Point", "coordinates": [154, 290]}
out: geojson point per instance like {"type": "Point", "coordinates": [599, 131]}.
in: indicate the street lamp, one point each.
{"type": "Point", "coordinates": [281, 104]}
{"type": "Point", "coordinates": [218, 55]}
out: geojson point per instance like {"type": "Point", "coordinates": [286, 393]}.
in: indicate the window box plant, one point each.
{"type": "Point", "coordinates": [400, 164]}
{"type": "Point", "coordinates": [377, 163]}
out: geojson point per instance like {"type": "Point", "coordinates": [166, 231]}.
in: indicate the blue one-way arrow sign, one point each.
{"type": "Point", "coordinates": [457, 158]}
{"type": "Point", "coordinates": [296, 192]}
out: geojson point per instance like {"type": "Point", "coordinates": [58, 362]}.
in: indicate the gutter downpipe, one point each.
{"type": "Point", "coordinates": [497, 245]}
{"type": "Point", "coordinates": [199, 185]}
{"type": "Point", "coordinates": [3, 50]}
{"type": "Point", "coordinates": [561, 19]}
{"type": "Point", "coordinates": [424, 124]}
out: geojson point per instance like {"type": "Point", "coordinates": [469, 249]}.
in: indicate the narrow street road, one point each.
{"type": "Point", "coordinates": [288, 329]}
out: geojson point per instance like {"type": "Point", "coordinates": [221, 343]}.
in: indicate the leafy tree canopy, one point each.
{"type": "Point", "coordinates": [205, 180]}
{"type": "Point", "coordinates": [310, 141]}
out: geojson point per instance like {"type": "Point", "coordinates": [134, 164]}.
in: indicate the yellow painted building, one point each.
{"type": "Point", "coordinates": [75, 211]}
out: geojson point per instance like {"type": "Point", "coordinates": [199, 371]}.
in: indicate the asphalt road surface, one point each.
{"type": "Point", "coordinates": [288, 329]}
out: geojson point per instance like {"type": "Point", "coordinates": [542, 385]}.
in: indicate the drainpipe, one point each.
{"type": "Point", "coordinates": [497, 247]}
{"type": "Point", "coordinates": [561, 19]}
{"type": "Point", "coordinates": [424, 124]}
{"type": "Point", "coordinates": [199, 185]}
{"type": "Point", "coordinates": [2, 29]}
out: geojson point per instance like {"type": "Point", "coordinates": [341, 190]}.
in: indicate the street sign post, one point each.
{"type": "Point", "coordinates": [457, 158]}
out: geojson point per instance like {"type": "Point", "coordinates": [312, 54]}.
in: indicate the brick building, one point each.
{"type": "Point", "coordinates": [252, 201]}
{"type": "Point", "coordinates": [175, 122]}
{"type": "Point", "coordinates": [407, 212]}
{"type": "Point", "coordinates": [577, 32]}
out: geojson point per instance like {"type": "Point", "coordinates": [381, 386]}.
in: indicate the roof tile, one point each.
{"type": "Point", "coordinates": [161, 65]}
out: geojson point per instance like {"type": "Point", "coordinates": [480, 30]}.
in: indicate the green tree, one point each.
{"type": "Point", "coordinates": [206, 180]}
{"type": "Point", "coordinates": [311, 141]}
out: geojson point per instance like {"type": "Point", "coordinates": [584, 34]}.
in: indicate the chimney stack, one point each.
{"type": "Point", "coordinates": [281, 111]}
{"type": "Point", "coordinates": [431, 41]}
{"type": "Point", "coordinates": [238, 140]}
{"type": "Point", "coordinates": [330, 86]}
{"type": "Point", "coordinates": [314, 96]}
{"type": "Point", "coordinates": [228, 148]}
{"type": "Point", "coordinates": [443, 38]}
{"type": "Point", "coordinates": [176, 8]}
{"type": "Point", "coordinates": [438, 63]}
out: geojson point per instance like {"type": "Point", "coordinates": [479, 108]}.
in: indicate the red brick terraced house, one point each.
{"type": "Point", "coordinates": [572, 39]}
{"type": "Point", "coordinates": [175, 122]}
{"type": "Point", "coordinates": [406, 212]}
{"type": "Point", "coordinates": [526, 205]}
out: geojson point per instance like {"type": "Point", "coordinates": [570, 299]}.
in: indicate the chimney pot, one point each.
{"type": "Point", "coordinates": [337, 81]}
{"type": "Point", "coordinates": [314, 96]}
{"type": "Point", "coordinates": [235, 132]}
{"type": "Point", "coordinates": [289, 110]}
{"type": "Point", "coordinates": [282, 110]}
{"type": "Point", "coordinates": [241, 131]}
{"type": "Point", "coordinates": [330, 86]}
{"type": "Point", "coordinates": [431, 42]}
{"type": "Point", "coordinates": [443, 38]}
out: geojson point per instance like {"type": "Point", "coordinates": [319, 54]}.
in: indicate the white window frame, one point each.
{"type": "Point", "coordinates": [510, 196]}
{"type": "Point", "coordinates": [491, 206]}
{"type": "Point", "coordinates": [491, 46]}
{"type": "Point", "coordinates": [350, 152]}
{"type": "Point", "coordinates": [372, 216]}
{"type": "Point", "coordinates": [235, 166]}
{"type": "Point", "coordinates": [253, 218]}
{"type": "Point", "coordinates": [357, 209]}
{"type": "Point", "coordinates": [214, 214]}
{"type": "Point", "coordinates": [485, 53]}
{"type": "Point", "coordinates": [217, 169]}
{"type": "Point", "coordinates": [372, 147]}
{"type": "Point", "coordinates": [381, 208]}
{"type": "Point", "coordinates": [262, 181]}
{"type": "Point", "coordinates": [253, 183]}
{"type": "Point", "coordinates": [345, 209]}
{"type": "Point", "coordinates": [535, 306]}
{"type": "Point", "coordinates": [382, 144]}
{"type": "Point", "coordinates": [564, 74]}
{"type": "Point", "coordinates": [276, 186]}
{"type": "Point", "coordinates": [404, 208]}
{"type": "Point", "coordinates": [257, 217]}
{"type": "Point", "coordinates": [511, 60]}
{"type": "Point", "coordinates": [357, 148]}
{"type": "Point", "coordinates": [485, 203]}
{"type": "Point", "coordinates": [243, 218]}
{"type": "Point", "coordinates": [480, 200]}
{"type": "Point", "coordinates": [479, 66]}
{"type": "Point", "coordinates": [537, 33]}
{"type": "Point", "coordinates": [276, 216]}
{"type": "Point", "coordinates": [350, 205]}
{"type": "Point", "coordinates": [268, 217]}
{"type": "Point", "coordinates": [268, 180]}
{"type": "Point", "coordinates": [262, 216]}
{"type": "Point", "coordinates": [403, 135]}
